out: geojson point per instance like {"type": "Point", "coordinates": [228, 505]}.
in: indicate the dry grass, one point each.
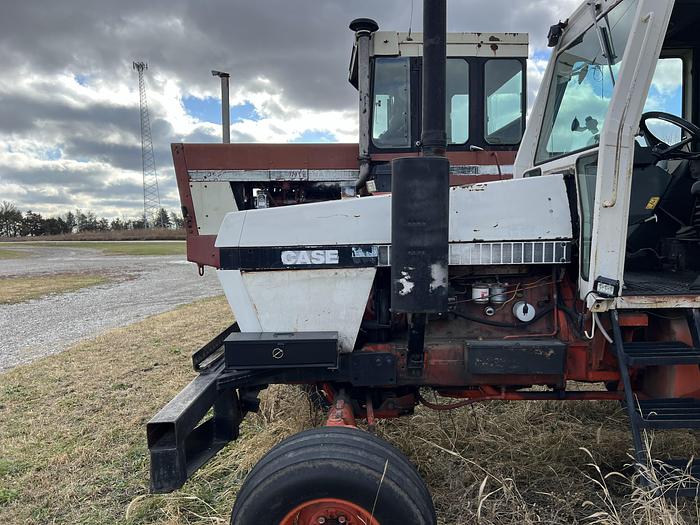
{"type": "Point", "coordinates": [73, 443]}
{"type": "Point", "coordinates": [19, 289]}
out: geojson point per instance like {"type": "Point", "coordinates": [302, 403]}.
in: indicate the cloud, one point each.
{"type": "Point", "coordinates": [668, 76]}
{"type": "Point", "coordinates": [69, 119]}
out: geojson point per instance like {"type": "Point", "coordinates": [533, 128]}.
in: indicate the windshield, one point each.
{"type": "Point", "coordinates": [583, 83]}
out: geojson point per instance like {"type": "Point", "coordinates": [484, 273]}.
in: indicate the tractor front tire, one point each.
{"type": "Point", "coordinates": [333, 475]}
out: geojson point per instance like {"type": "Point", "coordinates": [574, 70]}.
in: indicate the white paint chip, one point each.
{"type": "Point", "coordinates": [405, 282]}
{"type": "Point", "coordinates": [438, 276]}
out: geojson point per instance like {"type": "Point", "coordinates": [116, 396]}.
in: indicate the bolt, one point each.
{"type": "Point", "coordinates": [322, 520]}
{"type": "Point", "coordinates": [341, 520]}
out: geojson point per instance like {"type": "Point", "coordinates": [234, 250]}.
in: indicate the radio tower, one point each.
{"type": "Point", "coordinates": [151, 196]}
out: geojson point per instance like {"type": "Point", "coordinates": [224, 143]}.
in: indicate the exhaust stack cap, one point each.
{"type": "Point", "coordinates": [364, 25]}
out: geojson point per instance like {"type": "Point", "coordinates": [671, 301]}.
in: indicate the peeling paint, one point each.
{"type": "Point", "coordinates": [438, 276]}
{"type": "Point", "coordinates": [405, 282]}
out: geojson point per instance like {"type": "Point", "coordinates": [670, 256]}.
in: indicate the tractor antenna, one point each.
{"type": "Point", "coordinates": [410, 22]}
{"type": "Point", "coordinates": [151, 195]}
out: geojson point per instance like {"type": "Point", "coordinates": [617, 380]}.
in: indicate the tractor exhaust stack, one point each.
{"type": "Point", "coordinates": [363, 28]}
{"type": "Point", "coordinates": [434, 135]}
{"type": "Point", "coordinates": [420, 198]}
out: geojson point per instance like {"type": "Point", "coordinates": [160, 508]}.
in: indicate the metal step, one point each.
{"type": "Point", "coordinates": [660, 353]}
{"type": "Point", "coordinates": [674, 478]}
{"type": "Point", "coordinates": [678, 477]}
{"type": "Point", "coordinates": [668, 413]}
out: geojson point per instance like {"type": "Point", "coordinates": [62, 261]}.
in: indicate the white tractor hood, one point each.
{"type": "Point", "coordinates": [314, 264]}
{"type": "Point", "coordinates": [528, 209]}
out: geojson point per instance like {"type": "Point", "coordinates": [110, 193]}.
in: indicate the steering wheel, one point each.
{"type": "Point", "coordinates": [665, 151]}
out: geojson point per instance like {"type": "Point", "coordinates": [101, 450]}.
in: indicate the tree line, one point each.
{"type": "Point", "coordinates": [15, 223]}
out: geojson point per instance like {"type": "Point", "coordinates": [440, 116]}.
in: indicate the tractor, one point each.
{"type": "Point", "coordinates": [455, 250]}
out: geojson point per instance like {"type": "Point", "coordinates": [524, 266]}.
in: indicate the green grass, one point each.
{"type": "Point", "coordinates": [19, 289]}
{"type": "Point", "coordinates": [115, 247]}
{"type": "Point", "coordinates": [12, 254]}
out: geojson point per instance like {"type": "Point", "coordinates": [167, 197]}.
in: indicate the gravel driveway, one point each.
{"type": "Point", "coordinates": [138, 287]}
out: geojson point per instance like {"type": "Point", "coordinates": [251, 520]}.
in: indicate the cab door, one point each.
{"type": "Point", "coordinates": [586, 117]}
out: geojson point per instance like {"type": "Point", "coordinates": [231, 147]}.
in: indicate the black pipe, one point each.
{"type": "Point", "coordinates": [433, 135]}
{"type": "Point", "coordinates": [420, 200]}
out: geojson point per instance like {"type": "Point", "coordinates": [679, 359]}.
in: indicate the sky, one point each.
{"type": "Point", "coordinates": [69, 117]}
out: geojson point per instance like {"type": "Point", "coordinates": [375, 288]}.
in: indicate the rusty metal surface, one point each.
{"type": "Point", "coordinates": [270, 156]}
{"type": "Point", "coordinates": [200, 249]}
{"type": "Point", "coordinates": [504, 158]}
{"type": "Point", "coordinates": [274, 175]}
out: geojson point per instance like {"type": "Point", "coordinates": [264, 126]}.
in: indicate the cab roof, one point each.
{"type": "Point", "coordinates": [487, 45]}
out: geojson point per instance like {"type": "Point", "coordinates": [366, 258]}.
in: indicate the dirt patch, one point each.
{"type": "Point", "coordinates": [72, 436]}
{"type": "Point", "coordinates": [138, 287]}
{"type": "Point", "coordinates": [19, 289]}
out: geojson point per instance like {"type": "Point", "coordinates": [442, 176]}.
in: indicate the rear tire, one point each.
{"type": "Point", "coordinates": [339, 468]}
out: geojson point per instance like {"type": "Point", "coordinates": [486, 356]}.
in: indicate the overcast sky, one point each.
{"type": "Point", "coordinates": [69, 119]}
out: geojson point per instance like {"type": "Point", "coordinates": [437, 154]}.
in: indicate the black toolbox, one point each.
{"type": "Point", "coordinates": [256, 350]}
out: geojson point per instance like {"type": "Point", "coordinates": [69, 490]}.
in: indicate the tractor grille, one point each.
{"type": "Point", "coordinates": [496, 253]}
{"type": "Point", "coordinates": [530, 252]}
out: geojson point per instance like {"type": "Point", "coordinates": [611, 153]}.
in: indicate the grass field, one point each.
{"type": "Point", "coordinates": [149, 234]}
{"type": "Point", "coordinates": [12, 254]}
{"type": "Point", "coordinates": [19, 289]}
{"type": "Point", "coordinates": [72, 436]}
{"type": "Point", "coordinates": [114, 247]}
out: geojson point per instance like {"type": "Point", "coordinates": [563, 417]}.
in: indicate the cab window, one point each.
{"type": "Point", "coordinates": [457, 107]}
{"type": "Point", "coordinates": [503, 102]}
{"type": "Point", "coordinates": [666, 94]}
{"type": "Point", "coordinates": [391, 126]}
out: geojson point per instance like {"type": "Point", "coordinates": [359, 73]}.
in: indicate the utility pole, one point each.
{"type": "Point", "coordinates": [151, 195]}
{"type": "Point", "coordinates": [225, 113]}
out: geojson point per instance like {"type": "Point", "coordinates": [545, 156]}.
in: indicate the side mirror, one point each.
{"type": "Point", "coordinates": [575, 124]}
{"type": "Point", "coordinates": [555, 33]}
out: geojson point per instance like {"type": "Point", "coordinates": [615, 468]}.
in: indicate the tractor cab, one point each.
{"type": "Point", "coordinates": [618, 113]}
{"type": "Point", "coordinates": [485, 90]}
{"type": "Point", "coordinates": [485, 101]}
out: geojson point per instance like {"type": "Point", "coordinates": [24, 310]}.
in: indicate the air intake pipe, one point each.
{"type": "Point", "coordinates": [363, 28]}
{"type": "Point", "coordinates": [420, 198]}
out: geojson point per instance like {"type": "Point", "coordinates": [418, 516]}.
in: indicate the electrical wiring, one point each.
{"type": "Point", "coordinates": [528, 286]}
{"type": "Point", "coordinates": [596, 321]}
{"type": "Point", "coordinates": [498, 324]}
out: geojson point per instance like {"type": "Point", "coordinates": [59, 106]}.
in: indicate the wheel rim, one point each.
{"type": "Point", "coordinates": [329, 511]}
